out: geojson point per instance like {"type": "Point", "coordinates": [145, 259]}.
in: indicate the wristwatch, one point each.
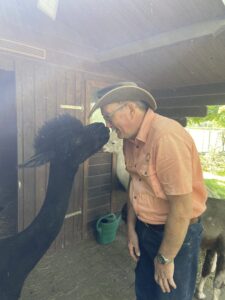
{"type": "Point", "coordinates": [163, 260]}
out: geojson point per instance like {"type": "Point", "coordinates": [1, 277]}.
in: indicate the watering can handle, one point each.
{"type": "Point", "coordinates": [119, 219]}
{"type": "Point", "coordinates": [98, 227]}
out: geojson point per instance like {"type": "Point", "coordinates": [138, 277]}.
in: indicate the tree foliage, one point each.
{"type": "Point", "coordinates": [215, 117]}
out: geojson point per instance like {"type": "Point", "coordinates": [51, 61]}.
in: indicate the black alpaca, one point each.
{"type": "Point", "coordinates": [65, 143]}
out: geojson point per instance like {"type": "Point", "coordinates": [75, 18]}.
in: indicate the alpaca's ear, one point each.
{"type": "Point", "coordinates": [37, 160]}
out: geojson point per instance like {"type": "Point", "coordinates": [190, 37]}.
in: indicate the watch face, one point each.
{"type": "Point", "coordinates": [161, 259]}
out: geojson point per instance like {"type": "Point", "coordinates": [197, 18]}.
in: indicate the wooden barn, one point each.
{"type": "Point", "coordinates": [53, 56]}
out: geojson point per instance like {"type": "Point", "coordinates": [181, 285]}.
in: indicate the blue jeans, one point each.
{"type": "Point", "coordinates": [186, 263]}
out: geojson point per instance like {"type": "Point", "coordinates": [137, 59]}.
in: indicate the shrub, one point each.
{"type": "Point", "coordinates": [213, 162]}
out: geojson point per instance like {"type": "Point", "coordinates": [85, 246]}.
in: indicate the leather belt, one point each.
{"type": "Point", "coordinates": [195, 220]}
{"type": "Point", "coordinates": [158, 227]}
{"type": "Point", "coordinates": [161, 226]}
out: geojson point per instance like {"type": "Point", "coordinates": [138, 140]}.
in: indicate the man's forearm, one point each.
{"type": "Point", "coordinates": [177, 225]}
{"type": "Point", "coordinates": [131, 216]}
{"type": "Point", "coordinates": [174, 235]}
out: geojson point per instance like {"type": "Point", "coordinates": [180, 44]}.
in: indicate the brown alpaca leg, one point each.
{"type": "Point", "coordinates": [206, 270]}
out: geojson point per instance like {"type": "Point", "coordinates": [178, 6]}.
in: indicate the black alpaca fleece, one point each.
{"type": "Point", "coordinates": [65, 143]}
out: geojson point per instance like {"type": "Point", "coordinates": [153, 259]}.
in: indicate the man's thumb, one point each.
{"type": "Point", "coordinates": [137, 251]}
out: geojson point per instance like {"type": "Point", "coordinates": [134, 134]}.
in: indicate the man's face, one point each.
{"type": "Point", "coordinates": [118, 117]}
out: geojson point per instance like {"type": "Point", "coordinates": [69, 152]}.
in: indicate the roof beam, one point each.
{"type": "Point", "coordinates": [193, 101]}
{"type": "Point", "coordinates": [193, 90]}
{"type": "Point", "coordinates": [165, 39]}
{"type": "Point", "coordinates": [179, 112]}
{"type": "Point", "coordinates": [182, 121]}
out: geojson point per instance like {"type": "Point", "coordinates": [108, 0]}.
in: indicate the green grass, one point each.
{"type": "Point", "coordinates": [216, 188]}
{"type": "Point", "coordinates": [220, 173]}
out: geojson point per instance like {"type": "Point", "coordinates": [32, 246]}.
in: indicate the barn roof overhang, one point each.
{"type": "Point", "coordinates": [174, 48]}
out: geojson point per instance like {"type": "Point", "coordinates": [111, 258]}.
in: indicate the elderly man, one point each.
{"type": "Point", "coordinates": [166, 194]}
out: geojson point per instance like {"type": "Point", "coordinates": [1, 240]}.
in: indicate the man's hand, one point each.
{"type": "Point", "coordinates": [133, 245]}
{"type": "Point", "coordinates": [164, 276]}
{"type": "Point", "coordinates": [180, 212]}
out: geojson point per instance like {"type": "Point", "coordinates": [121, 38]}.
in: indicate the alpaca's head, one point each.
{"type": "Point", "coordinates": [93, 138]}
{"type": "Point", "coordinates": [66, 139]}
{"type": "Point", "coordinates": [114, 144]}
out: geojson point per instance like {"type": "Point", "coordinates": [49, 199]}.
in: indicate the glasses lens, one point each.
{"type": "Point", "coordinates": [108, 117]}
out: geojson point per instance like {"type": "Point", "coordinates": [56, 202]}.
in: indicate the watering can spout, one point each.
{"type": "Point", "coordinates": [118, 220]}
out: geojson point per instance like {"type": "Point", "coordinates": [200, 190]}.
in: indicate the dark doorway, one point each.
{"type": "Point", "coordinates": [8, 154]}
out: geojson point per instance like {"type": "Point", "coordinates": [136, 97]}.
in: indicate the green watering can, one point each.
{"type": "Point", "coordinates": [107, 227]}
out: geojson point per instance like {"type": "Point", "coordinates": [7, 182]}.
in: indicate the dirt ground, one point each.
{"type": "Point", "coordinates": [90, 271]}
{"type": "Point", "coordinates": [84, 271]}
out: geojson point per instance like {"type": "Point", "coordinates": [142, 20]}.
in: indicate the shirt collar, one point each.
{"type": "Point", "coordinates": [145, 125]}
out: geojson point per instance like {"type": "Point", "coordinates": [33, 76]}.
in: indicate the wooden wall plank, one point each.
{"type": "Point", "coordinates": [113, 202]}
{"type": "Point", "coordinates": [97, 212]}
{"type": "Point", "coordinates": [40, 118]}
{"type": "Point", "coordinates": [70, 100]}
{"type": "Point", "coordinates": [8, 154]}
{"type": "Point", "coordinates": [51, 92]}
{"type": "Point", "coordinates": [79, 180]}
{"type": "Point", "coordinates": [28, 135]}
{"type": "Point", "coordinates": [60, 90]}
{"type": "Point", "coordinates": [99, 190]}
{"type": "Point", "coordinates": [99, 200]}
{"type": "Point", "coordinates": [95, 179]}
{"type": "Point", "coordinates": [20, 154]}
{"type": "Point", "coordinates": [59, 83]}
{"type": "Point", "coordinates": [100, 158]}
{"type": "Point", "coordinates": [99, 169]}
{"type": "Point", "coordinates": [51, 109]}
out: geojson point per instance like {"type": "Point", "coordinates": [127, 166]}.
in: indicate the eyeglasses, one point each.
{"type": "Point", "coordinates": [108, 117]}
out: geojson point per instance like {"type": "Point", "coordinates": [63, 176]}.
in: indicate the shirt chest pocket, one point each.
{"type": "Point", "coordinates": [147, 173]}
{"type": "Point", "coordinates": [130, 166]}
{"type": "Point", "coordinates": [146, 170]}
